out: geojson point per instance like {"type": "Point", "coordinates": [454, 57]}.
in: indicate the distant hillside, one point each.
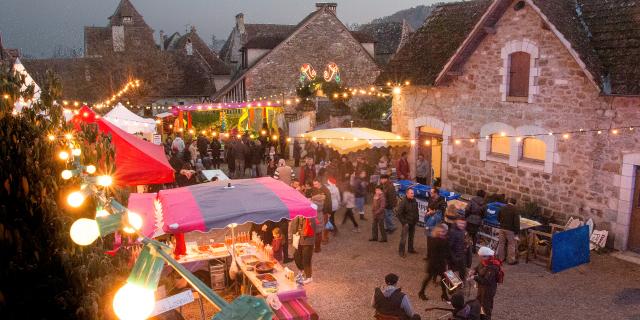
{"type": "Point", "coordinates": [414, 16]}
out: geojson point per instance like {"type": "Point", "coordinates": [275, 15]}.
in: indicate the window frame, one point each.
{"type": "Point", "coordinates": [499, 154]}
{"type": "Point", "coordinates": [533, 160]}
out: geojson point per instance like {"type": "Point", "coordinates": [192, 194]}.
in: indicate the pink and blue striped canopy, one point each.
{"type": "Point", "coordinates": [213, 205]}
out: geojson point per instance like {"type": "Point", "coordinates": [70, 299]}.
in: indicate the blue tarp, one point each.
{"type": "Point", "coordinates": [570, 248]}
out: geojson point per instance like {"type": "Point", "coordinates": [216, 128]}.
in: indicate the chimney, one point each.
{"type": "Point", "coordinates": [332, 6]}
{"type": "Point", "coordinates": [162, 39]}
{"type": "Point", "coordinates": [240, 22]}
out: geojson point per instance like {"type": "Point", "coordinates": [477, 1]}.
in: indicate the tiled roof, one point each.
{"type": "Point", "coordinates": [126, 9]}
{"type": "Point", "coordinates": [605, 35]}
{"type": "Point", "coordinates": [387, 35]}
{"type": "Point", "coordinates": [428, 49]}
{"type": "Point", "coordinates": [363, 37]}
{"type": "Point", "coordinates": [217, 66]}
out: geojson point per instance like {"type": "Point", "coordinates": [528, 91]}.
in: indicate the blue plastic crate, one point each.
{"type": "Point", "coordinates": [448, 195]}
{"type": "Point", "coordinates": [403, 185]}
{"type": "Point", "coordinates": [491, 216]}
{"type": "Point", "coordinates": [421, 191]}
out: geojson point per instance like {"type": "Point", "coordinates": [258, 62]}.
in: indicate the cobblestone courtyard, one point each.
{"type": "Point", "coordinates": [349, 267]}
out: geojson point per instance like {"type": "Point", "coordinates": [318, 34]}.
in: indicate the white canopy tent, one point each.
{"type": "Point", "coordinates": [130, 122]}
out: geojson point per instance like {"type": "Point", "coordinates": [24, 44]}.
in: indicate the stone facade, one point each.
{"type": "Point", "coordinates": [588, 175]}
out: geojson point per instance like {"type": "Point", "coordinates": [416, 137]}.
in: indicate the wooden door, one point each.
{"type": "Point", "coordinates": [634, 228]}
{"type": "Point", "coordinates": [519, 74]}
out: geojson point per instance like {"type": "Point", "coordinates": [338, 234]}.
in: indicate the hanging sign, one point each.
{"type": "Point", "coordinates": [157, 139]}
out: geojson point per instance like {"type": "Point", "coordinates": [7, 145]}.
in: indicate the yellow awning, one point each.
{"type": "Point", "coordinates": [347, 140]}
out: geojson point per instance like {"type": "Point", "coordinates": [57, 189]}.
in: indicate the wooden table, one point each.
{"type": "Point", "coordinates": [284, 284]}
{"type": "Point", "coordinates": [490, 233]}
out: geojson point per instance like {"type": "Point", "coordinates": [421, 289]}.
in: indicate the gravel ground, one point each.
{"type": "Point", "coordinates": [350, 267]}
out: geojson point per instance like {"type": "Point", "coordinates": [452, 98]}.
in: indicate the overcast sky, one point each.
{"type": "Point", "coordinates": [38, 26]}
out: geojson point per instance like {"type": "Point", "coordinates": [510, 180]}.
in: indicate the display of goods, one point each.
{"type": "Point", "coordinates": [250, 260]}
{"type": "Point", "coordinates": [265, 267]}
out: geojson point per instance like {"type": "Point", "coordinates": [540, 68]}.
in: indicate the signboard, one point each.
{"type": "Point", "coordinates": [173, 302]}
{"type": "Point", "coordinates": [157, 139]}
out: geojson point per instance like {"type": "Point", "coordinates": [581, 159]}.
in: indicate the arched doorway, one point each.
{"type": "Point", "coordinates": [432, 137]}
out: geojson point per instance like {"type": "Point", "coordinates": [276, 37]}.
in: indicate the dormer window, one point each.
{"type": "Point", "coordinates": [127, 19]}
{"type": "Point", "coordinates": [519, 71]}
{"type": "Point", "coordinates": [519, 74]}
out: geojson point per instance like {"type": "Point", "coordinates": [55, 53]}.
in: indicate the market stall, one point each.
{"type": "Point", "coordinates": [348, 140]}
{"type": "Point", "coordinates": [130, 122]}
{"type": "Point", "coordinates": [223, 205]}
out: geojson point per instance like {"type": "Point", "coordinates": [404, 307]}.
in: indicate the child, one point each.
{"type": "Point", "coordinates": [277, 245]}
{"type": "Point", "coordinates": [349, 201]}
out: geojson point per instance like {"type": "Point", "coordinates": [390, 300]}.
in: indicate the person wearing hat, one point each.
{"type": "Point", "coordinates": [487, 274]}
{"type": "Point", "coordinates": [390, 302]}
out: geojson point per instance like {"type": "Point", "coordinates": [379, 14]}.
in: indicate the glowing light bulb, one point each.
{"type": "Point", "coordinates": [135, 222]}
{"type": "Point", "coordinates": [104, 181]}
{"type": "Point", "coordinates": [472, 140]}
{"type": "Point", "coordinates": [397, 90]}
{"type": "Point", "coordinates": [102, 213]}
{"type": "Point", "coordinates": [614, 131]}
{"type": "Point", "coordinates": [133, 302]}
{"type": "Point", "coordinates": [84, 231]}
{"type": "Point", "coordinates": [91, 169]}
{"type": "Point", "coordinates": [457, 141]}
{"type": "Point", "coordinates": [288, 139]}
{"type": "Point", "coordinates": [518, 139]}
{"type": "Point", "coordinates": [51, 137]}
{"type": "Point", "coordinates": [427, 142]}
{"type": "Point", "coordinates": [502, 134]}
{"type": "Point", "coordinates": [67, 174]}
{"type": "Point", "coordinates": [263, 132]}
{"type": "Point", "coordinates": [68, 136]}
{"type": "Point", "coordinates": [75, 199]}
{"type": "Point", "coordinates": [274, 137]}
{"type": "Point", "coordinates": [76, 152]}
{"type": "Point", "coordinates": [565, 136]}
{"type": "Point", "coordinates": [63, 155]}
{"type": "Point", "coordinates": [413, 142]}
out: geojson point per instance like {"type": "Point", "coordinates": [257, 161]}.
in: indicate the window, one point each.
{"type": "Point", "coordinates": [500, 145]}
{"type": "Point", "coordinates": [127, 19]}
{"type": "Point", "coordinates": [534, 149]}
{"type": "Point", "coordinates": [519, 74]}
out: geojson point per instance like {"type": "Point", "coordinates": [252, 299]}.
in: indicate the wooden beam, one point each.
{"type": "Point", "coordinates": [490, 30]}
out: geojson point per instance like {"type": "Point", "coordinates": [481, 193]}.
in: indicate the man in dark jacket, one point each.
{"type": "Point", "coordinates": [391, 302]}
{"type": "Point", "coordinates": [509, 219]}
{"type": "Point", "coordinates": [458, 247]}
{"type": "Point", "coordinates": [474, 214]}
{"type": "Point", "coordinates": [391, 199]}
{"type": "Point", "coordinates": [408, 216]}
{"type": "Point", "coordinates": [215, 152]}
{"type": "Point", "coordinates": [297, 153]}
{"type": "Point", "coordinates": [203, 145]}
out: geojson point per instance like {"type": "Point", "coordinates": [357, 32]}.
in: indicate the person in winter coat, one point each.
{"type": "Point", "coordinates": [509, 219]}
{"type": "Point", "coordinates": [408, 216]}
{"type": "Point", "coordinates": [422, 170]}
{"type": "Point", "coordinates": [345, 169]}
{"type": "Point", "coordinates": [349, 201]}
{"type": "Point", "coordinates": [391, 200]}
{"type": "Point", "coordinates": [486, 275]}
{"type": "Point", "coordinates": [458, 247]}
{"type": "Point", "coordinates": [438, 255]}
{"type": "Point", "coordinates": [335, 201]}
{"type": "Point", "coordinates": [284, 173]}
{"type": "Point", "coordinates": [360, 191]}
{"type": "Point", "coordinates": [306, 229]}
{"type": "Point", "coordinates": [377, 211]}
{"type": "Point", "coordinates": [475, 213]}
{"type": "Point", "coordinates": [240, 152]}
{"type": "Point", "coordinates": [297, 153]}
{"type": "Point", "coordinates": [403, 168]}
{"type": "Point", "coordinates": [391, 303]}
{"type": "Point", "coordinates": [215, 152]}
{"type": "Point", "coordinates": [318, 198]}
{"type": "Point", "coordinates": [432, 219]}
{"type": "Point", "coordinates": [326, 207]}
{"type": "Point", "coordinates": [307, 172]}
{"type": "Point", "coordinates": [203, 146]}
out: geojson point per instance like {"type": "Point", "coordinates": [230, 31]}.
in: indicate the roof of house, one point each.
{"type": "Point", "coordinates": [126, 9]}
{"type": "Point", "coordinates": [605, 37]}
{"type": "Point", "coordinates": [387, 35]}
{"type": "Point", "coordinates": [430, 47]}
{"type": "Point", "coordinates": [177, 42]}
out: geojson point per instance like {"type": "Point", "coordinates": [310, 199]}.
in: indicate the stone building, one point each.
{"type": "Point", "coordinates": [179, 70]}
{"type": "Point", "coordinates": [267, 57]}
{"type": "Point", "coordinates": [536, 99]}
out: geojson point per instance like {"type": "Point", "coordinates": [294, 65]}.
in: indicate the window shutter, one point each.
{"type": "Point", "coordinates": [519, 74]}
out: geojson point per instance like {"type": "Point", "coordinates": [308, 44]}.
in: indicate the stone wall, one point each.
{"type": "Point", "coordinates": [586, 175]}
{"type": "Point", "coordinates": [323, 40]}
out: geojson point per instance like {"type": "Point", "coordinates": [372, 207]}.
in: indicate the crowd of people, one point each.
{"type": "Point", "coordinates": [333, 182]}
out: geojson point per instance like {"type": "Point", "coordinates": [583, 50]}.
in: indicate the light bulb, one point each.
{"type": "Point", "coordinates": [67, 174]}
{"type": "Point", "coordinates": [104, 181]}
{"type": "Point", "coordinates": [76, 152]}
{"type": "Point", "coordinates": [274, 137]}
{"type": "Point", "coordinates": [135, 221]}
{"type": "Point", "coordinates": [84, 231]}
{"type": "Point", "coordinates": [288, 139]}
{"type": "Point", "coordinates": [91, 169]}
{"type": "Point", "coordinates": [51, 137]}
{"type": "Point", "coordinates": [102, 213]}
{"type": "Point", "coordinates": [397, 90]}
{"type": "Point", "coordinates": [133, 302]}
{"type": "Point", "coordinates": [63, 155]}
{"type": "Point", "coordinates": [75, 199]}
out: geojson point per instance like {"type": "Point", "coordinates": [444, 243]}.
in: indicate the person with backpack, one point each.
{"type": "Point", "coordinates": [487, 274]}
{"type": "Point", "coordinates": [390, 303]}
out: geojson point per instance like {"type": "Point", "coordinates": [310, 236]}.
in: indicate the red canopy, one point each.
{"type": "Point", "coordinates": [138, 162]}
